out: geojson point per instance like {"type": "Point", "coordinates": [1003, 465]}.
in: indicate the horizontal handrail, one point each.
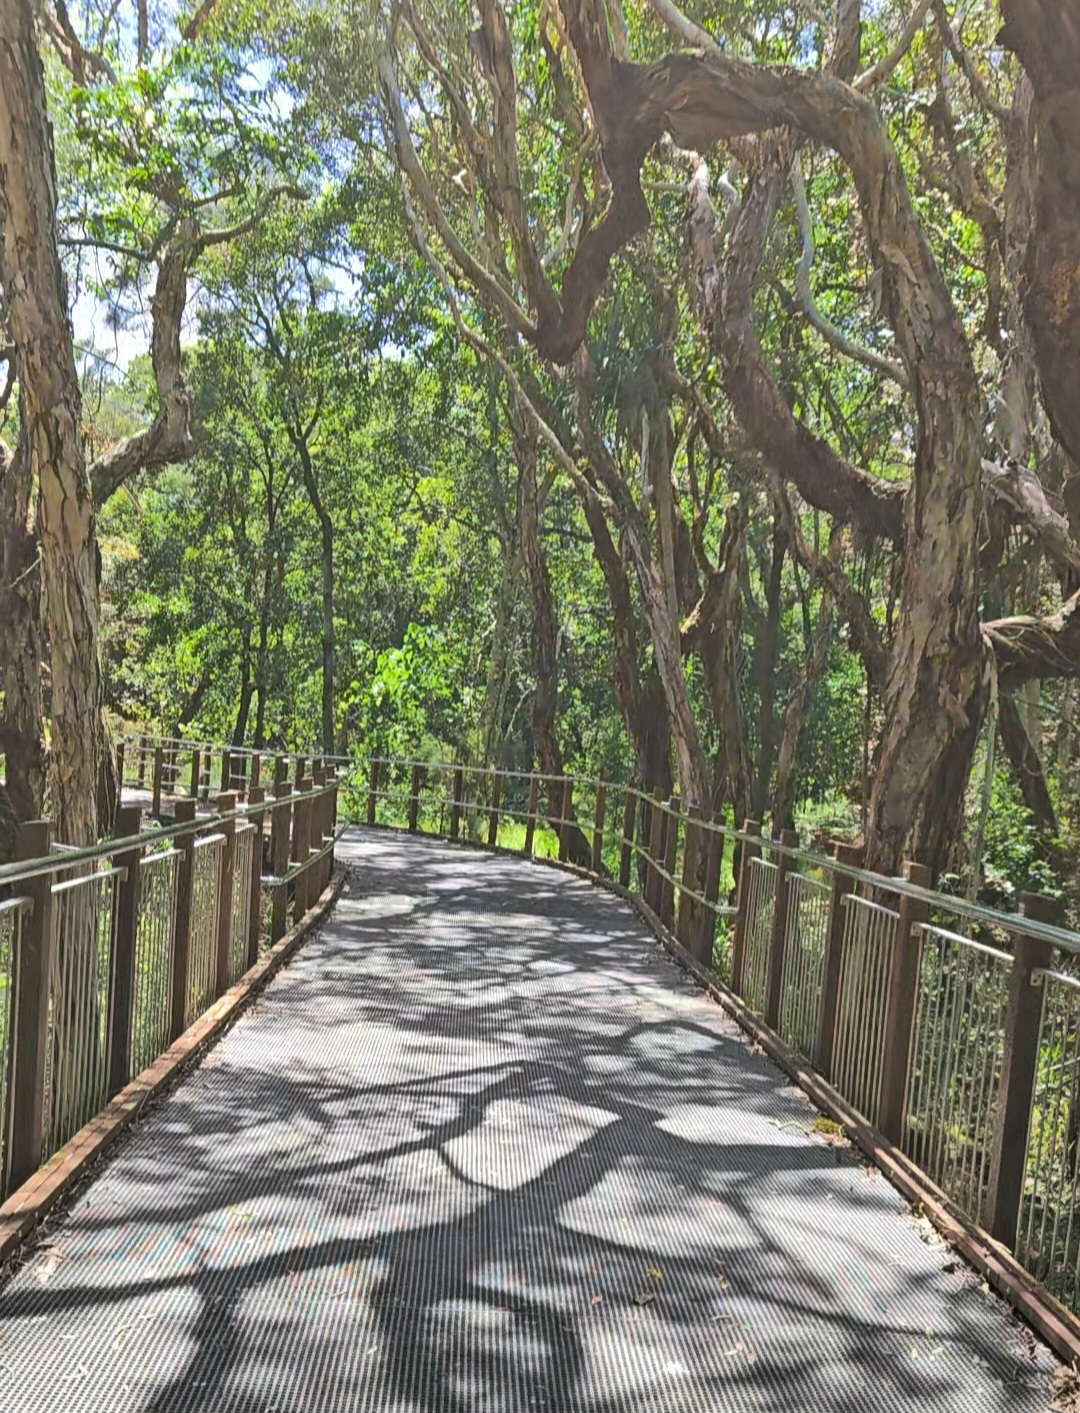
{"type": "Point", "coordinates": [63, 863]}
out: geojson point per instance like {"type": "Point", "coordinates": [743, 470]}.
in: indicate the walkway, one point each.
{"type": "Point", "coordinates": [481, 1149]}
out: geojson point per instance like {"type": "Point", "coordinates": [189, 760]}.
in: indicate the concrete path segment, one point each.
{"type": "Point", "coordinates": [482, 1149]}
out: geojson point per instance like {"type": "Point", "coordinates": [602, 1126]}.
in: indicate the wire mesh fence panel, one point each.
{"type": "Point", "coordinates": [13, 912]}
{"type": "Point", "coordinates": [154, 937]}
{"type": "Point", "coordinates": [1048, 1234]}
{"type": "Point", "coordinates": [243, 860]}
{"type": "Point", "coordinates": [761, 905]}
{"type": "Point", "coordinates": [869, 938]}
{"type": "Point", "coordinates": [957, 1053]}
{"type": "Point", "coordinates": [77, 1043]}
{"type": "Point", "coordinates": [207, 855]}
{"type": "Point", "coordinates": [804, 956]}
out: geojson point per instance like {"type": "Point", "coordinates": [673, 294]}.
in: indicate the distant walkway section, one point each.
{"type": "Point", "coordinates": [481, 1148]}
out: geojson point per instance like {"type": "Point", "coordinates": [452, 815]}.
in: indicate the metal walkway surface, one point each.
{"type": "Point", "coordinates": [481, 1148]}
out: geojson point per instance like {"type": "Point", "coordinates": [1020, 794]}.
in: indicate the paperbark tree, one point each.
{"type": "Point", "coordinates": [51, 406]}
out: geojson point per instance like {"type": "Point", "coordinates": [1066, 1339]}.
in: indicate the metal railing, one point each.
{"type": "Point", "coordinates": [108, 953]}
{"type": "Point", "coordinates": [951, 1028]}
{"type": "Point", "coordinates": [174, 767]}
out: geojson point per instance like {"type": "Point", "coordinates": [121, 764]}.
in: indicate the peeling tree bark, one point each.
{"type": "Point", "coordinates": [1045, 36]}
{"type": "Point", "coordinates": [1026, 765]}
{"type": "Point", "coordinates": [34, 288]}
{"type": "Point", "coordinates": [21, 738]}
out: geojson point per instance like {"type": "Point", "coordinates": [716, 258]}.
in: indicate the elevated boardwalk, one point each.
{"type": "Point", "coordinates": [481, 1148]}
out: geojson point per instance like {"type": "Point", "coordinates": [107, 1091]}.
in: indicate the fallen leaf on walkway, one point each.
{"type": "Point", "coordinates": [1065, 1390]}
{"type": "Point", "coordinates": [656, 1273]}
{"type": "Point", "coordinates": [646, 1297]}
{"type": "Point", "coordinates": [597, 1299]}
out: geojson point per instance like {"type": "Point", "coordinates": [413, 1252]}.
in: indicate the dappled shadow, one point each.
{"type": "Point", "coordinates": [481, 1147]}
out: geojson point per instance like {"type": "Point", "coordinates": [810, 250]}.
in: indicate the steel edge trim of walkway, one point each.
{"type": "Point", "coordinates": [30, 1204]}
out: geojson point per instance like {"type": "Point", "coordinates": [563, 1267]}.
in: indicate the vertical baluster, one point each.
{"type": "Point", "coordinates": [280, 820]}
{"type": "Point", "coordinates": [744, 889]}
{"type": "Point", "coordinates": [225, 804]}
{"type": "Point", "coordinates": [598, 827]}
{"type": "Point", "coordinates": [530, 817]}
{"type": "Point", "coordinates": [256, 795]}
{"type": "Point", "coordinates": [31, 972]}
{"type": "Point", "coordinates": [181, 952]}
{"type": "Point", "coordinates": [373, 791]}
{"type": "Point", "coordinates": [626, 847]}
{"type": "Point", "coordinates": [902, 990]}
{"type": "Point", "coordinates": [122, 980]}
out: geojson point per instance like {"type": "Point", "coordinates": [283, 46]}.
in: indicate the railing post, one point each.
{"type": "Point", "coordinates": [122, 980]}
{"type": "Point", "coordinates": [626, 846]}
{"type": "Point", "coordinates": [185, 889]}
{"type": "Point", "coordinates": [316, 833]}
{"type": "Point", "coordinates": [686, 922]}
{"type": "Point", "coordinates": [225, 803]}
{"type": "Point", "coordinates": [279, 849]}
{"type": "Point", "coordinates": [330, 858]}
{"type": "Point", "coordinates": [493, 812]}
{"type": "Point", "coordinates": [713, 843]}
{"type": "Point", "coordinates": [373, 791]}
{"type": "Point", "coordinates": [256, 771]}
{"type": "Point", "coordinates": [778, 939]}
{"type": "Point", "coordinates": [455, 803]}
{"type": "Point", "coordinates": [159, 765]}
{"type": "Point", "coordinates": [32, 966]}
{"type": "Point", "coordinates": [196, 771]}
{"type": "Point", "coordinates": [530, 816]}
{"type": "Point", "coordinates": [655, 852]}
{"type": "Point", "coordinates": [226, 772]}
{"type": "Point", "coordinates": [414, 800]}
{"type": "Point", "coordinates": [1020, 1064]}
{"type": "Point", "coordinates": [749, 850]}
{"type": "Point", "coordinates": [169, 780]}
{"type": "Point", "coordinates": [673, 819]}
{"type": "Point", "coordinates": [301, 848]}
{"type": "Point", "coordinates": [847, 856]}
{"type": "Point", "coordinates": [256, 795]}
{"type": "Point", "coordinates": [120, 766]}
{"type": "Point", "coordinates": [140, 779]}
{"type": "Point", "coordinates": [598, 827]}
{"type": "Point", "coordinates": [565, 816]}
{"type": "Point", "coordinates": [900, 1006]}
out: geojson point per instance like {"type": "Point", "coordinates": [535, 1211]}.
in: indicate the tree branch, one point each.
{"type": "Point", "coordinates": [870, 78]}
{"type": "Point", "coordinates": [804, 295]}
{"type": "Point", "coordinates": [487, 286]}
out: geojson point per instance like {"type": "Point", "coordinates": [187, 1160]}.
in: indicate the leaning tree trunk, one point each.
{"type": "Point", "coordinates": [37, 303]}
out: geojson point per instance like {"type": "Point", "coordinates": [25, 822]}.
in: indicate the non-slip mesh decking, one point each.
{"type": "Point", "coordinates": [482, 1149]}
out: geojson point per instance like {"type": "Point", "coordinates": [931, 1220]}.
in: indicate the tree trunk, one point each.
{"type": "Point", "coordinates": [247, 690]}
{"type": "Point", "coordinates": [783, 796]}
{"type": "Point", "coordinates": [21, 739]}
{"type": "Point", "coordinates": [326, 537]}
{"type": "Point", "coordinates": [37, 301]}
{"type": "Point", "coordinates": [767, 652]}
{"type": "Point", "coordinates": [1026, 765]}
{"type": "Point", "coordinates": [545, 704]}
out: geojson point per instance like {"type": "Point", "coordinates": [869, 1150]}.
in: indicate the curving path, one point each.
{"type": "Point", "coordinates": [482, 1148]}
